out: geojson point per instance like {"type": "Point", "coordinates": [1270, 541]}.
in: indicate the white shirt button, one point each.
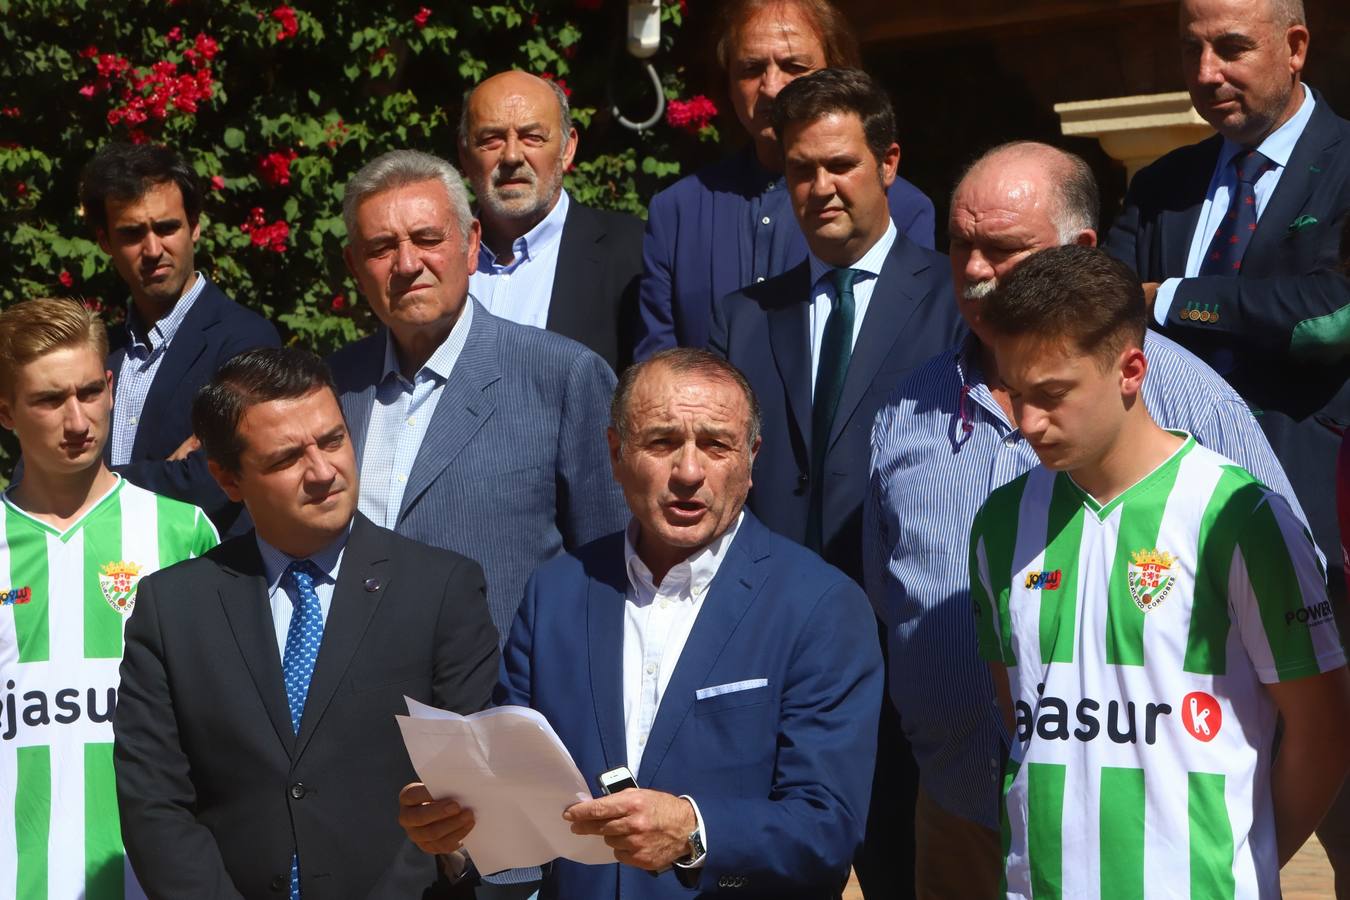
{"type": "Point", "coordinates": [401, 477]}
{"type": "Point", "coordinates": [759, 278]}
{"type": "Point", "coordinates": [1010, 441]}
{"type": "Point", "coordinates": [132, 420]}
{"type": "Point", "coordinates": [642, 741]}
{"type": "Point", "coordinates": [651, 668]}
{"type": "Point", "coordinates": [765, 220]}
{"type": "Point", "coordinates": [412, 420]}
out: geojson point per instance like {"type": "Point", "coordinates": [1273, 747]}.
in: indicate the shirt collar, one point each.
{"type": "Point", "coordinates": [443, 360]}
{"type": "Point", "coordinates": [276, 562]}
{"type": "Point", "coordinates": [870, 263]}
{"type": "Point", "coordinates": [968, 361]}
{"type": "Point", "coordinates": [164, 330]}
{"type": "Point", "coordinates": [1279, 144]}
{"type": "Point", "coordinates": [697, 571]}
{"type": "Point", "coordinates": [533, 242]}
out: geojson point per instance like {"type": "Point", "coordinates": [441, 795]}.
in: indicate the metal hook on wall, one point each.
{"type": "Point", "coordinates": [660, 104]}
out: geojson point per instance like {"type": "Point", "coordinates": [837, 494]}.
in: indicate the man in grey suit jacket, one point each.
{"type": "Point", "coordinates": [473, 433]}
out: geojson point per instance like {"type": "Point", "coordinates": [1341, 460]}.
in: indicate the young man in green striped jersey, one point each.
{"type": "Point", "coordinates": [74, 541]}
{"type": "Point", "coordinates": [1148, 608]}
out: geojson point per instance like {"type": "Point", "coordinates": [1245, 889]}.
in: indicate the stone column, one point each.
{"type": "Point", "coordinates": [1135, 130]}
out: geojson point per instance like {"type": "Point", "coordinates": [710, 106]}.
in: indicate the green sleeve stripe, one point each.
{"type": "Point", "coordinates": [1063, 538]}
{"type": "Point", "coordinates": [1045, 829]}
{"type": "Point", "coordinates": [1140, 522]}
{"type": "Point", "coordinates": [102, 623]}
{"type": "Point", "coordinates": [1122, 833]}
{"type": "Point", "coordinates": [1277, 590]}
{"type": "Point", "coordinates": [1005, 826]}
{"type": "Point", "coordinates": [28, 568]}
{"type": "Point", "coordinates": [1207, 641]}
{"type": "Point", "coordinates": [1323, 339]}
{"type": "Point", "coordinates": [33, 820]}
{"type": "Point", "coordinates": [1211, 837]}
{"type": "Point", "coordinates": [174, 530]}
{"type": "Point", "coordinates": [986, 629]}
{"type": "Point", "coordinates": [104, 862]}
{"type": "Point", "coordinates": [999, 519]}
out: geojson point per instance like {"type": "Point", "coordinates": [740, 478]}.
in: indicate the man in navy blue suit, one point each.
{"type": "Point", "coordinates": [823, 345]}
{"type": "Point", "coordinates": [735, 673]}
{"type": "Point", "coordinates": [1236, 239]}
{"type": "Point", "coordinates": [144, 203]}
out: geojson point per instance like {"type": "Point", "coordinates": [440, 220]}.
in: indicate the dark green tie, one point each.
{"type": "Point", "coordinates": [836, 347]}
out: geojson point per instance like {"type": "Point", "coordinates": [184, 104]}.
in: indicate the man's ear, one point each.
{"type": "Point", "coordinates": [6, 414]}
{"type": "Point", "coordinates": [1086, 238]}
{"type": "Point", "coordinates": [347, 254]}
{"type": "Point", "coordinates": [570, 153]}
{"type": "Point", "coordinates": [228, 481]}
{"type": "Point", "coordinates": [1133, 368]}
{"type": "Point", "coordinates": [612, 438]}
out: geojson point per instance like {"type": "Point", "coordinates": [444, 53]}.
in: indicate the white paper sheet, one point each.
{"type": "Point", "coordinates": [510, 767]}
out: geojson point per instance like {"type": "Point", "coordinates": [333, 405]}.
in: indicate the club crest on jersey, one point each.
{"type": "Point", "coordinates": [118, 581]}
{"type": "Point", "coordinates": [1151, 576]}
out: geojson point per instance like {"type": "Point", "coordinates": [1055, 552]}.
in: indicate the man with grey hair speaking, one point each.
{"type": "Point", "coordinates": [473, 433]}
{"type": "Point", "coordinates": [545, 259]}
{"type": "Point", "coordinates": [940, 445]}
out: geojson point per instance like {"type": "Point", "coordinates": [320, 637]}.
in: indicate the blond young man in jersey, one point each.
{"type": "Point", "coordinates": [1147, 608]}
{"type": "Point", "coordinates": [74, 541]}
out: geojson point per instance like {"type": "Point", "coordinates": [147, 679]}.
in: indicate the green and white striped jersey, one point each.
{"type": "Point", "coordinates": [1137, 636]}
{"type": "Point", "coordinates": [64, 597]}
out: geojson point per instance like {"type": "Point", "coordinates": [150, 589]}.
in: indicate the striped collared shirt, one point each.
{"type": "Point", "coordinates": [940, 446]}
{"type": "Point", "coordinates": [399, 419]}
{"type": "Point", "coordinates": [145, 352]}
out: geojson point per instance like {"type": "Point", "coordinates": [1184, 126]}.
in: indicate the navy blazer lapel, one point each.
{"type": "Point", "coordinates": [187, 346]}
{"type": "Point", "coordinates": [604, 641]}
{"type": "Point", "coordinates": [729, 597]}
{"type": "Point", "coordinates": [364, 560]}
{"type": "Point", "coordinates": [1178, 221]}
{"type": "Point", "coordinates": [895, 297]}
{"type": "Point", "coordinates": [1311, 158]}
{"type": "Point", "coordinates": [578, 265]}
{"type": "Point", "coordinates": [466, 403]}
{"type": "Point", "coordinates": [243, 597]}
{"type": "Point", "coordinates": [789, 324]}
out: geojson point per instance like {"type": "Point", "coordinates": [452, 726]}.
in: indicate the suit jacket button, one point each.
{"type": "Point", "coordinates": [297, 791]}
{"type": "Point", "coordinates": [280, 883]}
{"type": "Point", "coordinates": [802, 481]}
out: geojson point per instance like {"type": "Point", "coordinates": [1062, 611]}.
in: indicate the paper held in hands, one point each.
{"type": "Point", "coordinates": [510, 767]}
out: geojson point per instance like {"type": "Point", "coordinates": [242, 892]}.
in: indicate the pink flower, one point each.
{"type": "Point", "coordinates": [420, 19]}
{"type": "Point", "coordinates": [206, 46]}
{"type": "Point", "coordinates": [87, 91]}
{"type": "Point", "coordinates": [275, 167]}
{"type": "Point", "coordinates": [285, 16]}
{"type": "Point", "coordinates": [217, 183]}
{"type": "Point", "coordinates": [692, 114]}
{"type": "Point", "coordinates": [66, 279]}
{"type": "Point", "coordinates": [339, 303]}
{"type": "Point", "coordinates": [174, 34]}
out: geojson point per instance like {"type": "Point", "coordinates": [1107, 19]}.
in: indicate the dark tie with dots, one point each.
{"type": "Point", "coordinates": [303, 638]}
{"type": "Point", "coordinates": [1234, 234]}
{"type": "Point", "coordinates": [836, 348]}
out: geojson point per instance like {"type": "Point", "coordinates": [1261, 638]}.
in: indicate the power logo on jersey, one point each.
{"type": "Point", "coordinates": [118, 581]}
{"type": "Point", "coordinates": [1150, 576]}
{"type": "Point", "coordinates": [1201, 715]}
{"type": "Point", "coordinates": [16, 596]}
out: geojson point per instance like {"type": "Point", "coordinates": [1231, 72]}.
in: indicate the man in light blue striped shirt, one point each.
{"type": "Point", "coordinates": [942, 443]}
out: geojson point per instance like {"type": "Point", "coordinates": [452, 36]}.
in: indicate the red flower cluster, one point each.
{"type": "Point", "coordinates": [66, 279]}
{"type": "Point", "coordinates": [420, 19]}
{"type": "Point", "coordinates": [174, 34]}
{"type": "Point", "coordinates": [275, 167]}
{"type": "Point", "coordinates": [217, 183]}
{"type": "Point", "coordinates": [339, 303]}
{"type": "Point", "coordinates": [150, 93]}
{"type": "Point", "coordinates": [12, 112]}
{"type": "Point", "coordinates": [204, 47]}
{"type": "Point", "coordinates": [336, 133]}
{"type": "Point", "coordinates": [285, 16]}
{"type": "Point", "coordinates": [269, 237]}
{"type": "Point", "coordinates": [562, 82]}
{"type": "Point", "coordinates": [692, 114]}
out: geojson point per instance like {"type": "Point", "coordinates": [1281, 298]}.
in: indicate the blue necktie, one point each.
{"type": "Point", "coordinates": [297, 664]}
{"type": "Point", "coordinates": [1234, 234]}
{"type": "Point", "coordinates": [836, 349]}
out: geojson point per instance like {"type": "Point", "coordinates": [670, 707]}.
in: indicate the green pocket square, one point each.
{"type": "Point", "coordinates": [1302, 222]}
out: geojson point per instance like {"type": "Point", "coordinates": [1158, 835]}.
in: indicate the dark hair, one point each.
{"type": "Point", "coordinates": [826, 91]}
{"type": "Point", "coordinates": [1071, 292]}
{"type": "Point", "coordinates": [682, 361]}
{"type": "Point", "coordinates": [832, 29]}
{"type": "Point", "coordinates": [252, 377]}
{"type": "Point", "coordinates": [128, 171]}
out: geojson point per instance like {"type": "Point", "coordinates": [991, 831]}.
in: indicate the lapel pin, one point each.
{"type": "Point", "coordinates": [1302, 222]}
{"type": "Point", "coordinates": [1316, 170]}
{"type": "Point", "coordinates": [372, 585]}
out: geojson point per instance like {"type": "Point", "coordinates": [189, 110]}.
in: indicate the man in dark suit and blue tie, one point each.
{"type": "Point", "coordinates": [255, 743]}
{"type": "Point", "coordinates": [473, 433]}
{"type": "Point", "coordinates": [1236, 239]}
{"type": "Point", "coordinates": [731, 670]}
{"type": "Point", "coordinates": [824, 344]}
{"type": "Point", "coordinates": [143, 203]}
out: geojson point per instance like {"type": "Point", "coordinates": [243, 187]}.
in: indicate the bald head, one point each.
{"type": "Point", "coordinates": [515, 142]}
{"type": "Point", "coordinates": [1013, 201]}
